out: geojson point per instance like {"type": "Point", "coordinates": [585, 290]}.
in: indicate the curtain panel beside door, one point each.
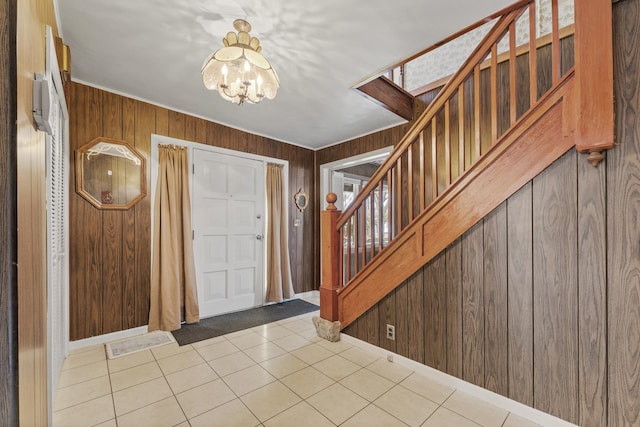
{"type": "Point", "coordinates": [173, 279]}
{"type": "Point", "coordinates": [279, 285]}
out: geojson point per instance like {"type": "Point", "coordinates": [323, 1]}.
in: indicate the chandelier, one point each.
{"type": "Point", "coordinates": [238, 71]}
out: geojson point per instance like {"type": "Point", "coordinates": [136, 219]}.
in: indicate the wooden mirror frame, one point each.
{"type": "Point", "coordinates": [79, 167]}
{"type": "Point", "coordinates": [301, 200]}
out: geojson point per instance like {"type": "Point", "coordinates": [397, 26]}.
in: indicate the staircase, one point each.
{"type": "Point", "coordinates": [499, 121]}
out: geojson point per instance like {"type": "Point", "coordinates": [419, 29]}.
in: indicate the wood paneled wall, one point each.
{"type": "Point", "coordinates": [540, 301]}
{"type": "Point", "coordinates": [110, 250]}
{"type": "Point", "coordinates": [8, 218]}
{"type": "Point", "coordinates": [32, 16]}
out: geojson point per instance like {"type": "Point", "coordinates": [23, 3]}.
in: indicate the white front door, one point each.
{"type": "Point", "coordinates": [228, 221]}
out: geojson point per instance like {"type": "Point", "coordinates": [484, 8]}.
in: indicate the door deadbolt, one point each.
{"type": "Point", "coordinates": [259, 237]}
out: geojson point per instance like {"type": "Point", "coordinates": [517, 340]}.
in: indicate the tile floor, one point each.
{"type": "Point", "coordinates": [279, 374]}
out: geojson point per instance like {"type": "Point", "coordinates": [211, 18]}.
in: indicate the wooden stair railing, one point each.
{"type": "Point", "coordinates": [473, 146]}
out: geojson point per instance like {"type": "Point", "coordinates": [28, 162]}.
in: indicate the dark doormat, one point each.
{"type": "Point", "coordinates": [227, 323]}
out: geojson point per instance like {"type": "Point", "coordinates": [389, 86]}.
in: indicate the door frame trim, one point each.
{"type": "Point", "coordinates": [191, 145]}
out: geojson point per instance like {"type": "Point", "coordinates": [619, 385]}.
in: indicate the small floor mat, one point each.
{"type": "Point", "coordinates": [220, 325]}
{"type": "Point", "coordinates": [141, 342]}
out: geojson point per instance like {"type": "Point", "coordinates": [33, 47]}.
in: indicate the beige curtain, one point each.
{"type": "Point", "coordinates": [173, 277]}
{"type": "Point", "coordinates": [279, 285]}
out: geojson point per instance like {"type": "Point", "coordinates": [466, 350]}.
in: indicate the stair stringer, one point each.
{"type": "Point", "coordinates": [533, 143]}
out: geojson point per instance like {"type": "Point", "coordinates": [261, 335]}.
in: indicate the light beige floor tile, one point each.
{"type": "Point", "coordinates": [136, 375]}
{"type": "Point", "coordinates": [475, 409]}
{"type": "Point", "coordinates": [84, 358]}
{"type": "Point", "coordinates": [336, 367]}
{"type": "Point", "coordinates": [231, 414]}
{"type": "Point", "coordinates": [367, 384]}
{"type": "Point", "coordinates": [334, 347]}
{"type": "Point", "coordinates": [85, 414]}
{"type": "Point", "coordinates": [111, 423]}
{"type": "Point", "coordinates": [165, 413]}
{"type": "Point", "coordinates": [170, 350]}
{"type": "Point", "coordinates": [191, 377]}
{"type": "Point", "coordinates": [372, 416]}
{"type": "Point", "coordinates": [82, 373]}
{"type": "Point", "coordinates": [428, 388]}
{"type": "Point", "coordinates": [359, 356]}
{"type": "Point", "coordinates": [300, 325]}
{"type": "Point", "coordinates": [248, 340]}
{"type": "Point", "coordinates": [180, 361]}
{"type": "Point", "coordinates": [307, 382]}
{"type": "Point", "coordinates": [264, 352]}
{"type": "Point", "coordinates": [216, 350]}
{"type": "Point", "coordinates": [300, 414]}
{"type": "Point", "coordinates": [205, 343]}
{"type": "Point", "coordinates": [242, 382]}
{"type": "Point", "coordinates": [337, 403]}
{"type": "Point", "coordinates": [237, 334]}
{"type": "Point", "coordinates": [203, 398]}
{"type": "Point", "coordinates": [86, 349]}
{"type": "Point", "coordinates": [273, 331]}
{"type": "Point", "coordinates": [443, 417]}
{"type": "Point", "coordinates": [309, 335]}
{"type": "Point", "coordinates": [291, 342]}
{"type": "Point", "coordinates": [270, 400]}
{"type": "Point", "coordinates": [390, 370]}
{"type": "Point", "coordinates": [82, 392]}
{"type": "Point", "coordinates": [409, 407]}
{"type": "Point", "coordinates": [232, 363]}
{"type": "Point", "coordinates": [284, 365]}
{"type": "Point", "coordinates": [129, 361]}
{"type": "Point", "coordinates": [515, 421]}
{"type": "Point", "coordinates": [184, 424]}
{"type": "Point", "coordinates": [312, 353]}
{"type": "Point", "coordinates": [141, 395]}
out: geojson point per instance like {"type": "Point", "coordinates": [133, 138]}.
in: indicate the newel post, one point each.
{"type": "Point", "coordinates": [594, 75]}
{"type": "Point", "coordinates": [330, 246]}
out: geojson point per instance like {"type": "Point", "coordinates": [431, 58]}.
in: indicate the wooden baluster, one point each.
{"type": "Point", "coordinates": [349, 255]}
{"type": "Point", "coordinates": [390, 202]}
{"type": "Point", "coordinates": [434, 159]}
{"type": "Point", "coordinates": [494, 93]}
{"type": "Point", "coordinates": [447, 145]}
{"type": "Point", "coordinates": [330, 240]}
{"type": "Point", "coordinates": [399, 193]}
{"type": "Point", "coordinates": [461, 151]}
{"type": "Point", "coordinates": [363, 232]}
{"type": "Point", "coordinates": [410, 181]}
{"type": "Point", "coordinates": [512, 73]}
{"type": "Point", "coordinates": [555, 41]}
{"type": "Point", "coordinates": [380, 215]}
{"type": "Point", "coordinates": [356, 241]}
{"type": "Point", "coordinates": [533, 55]}
{"type": "Point", "coordinates": [422, 177]}
{"type": "Point", "coordinates": [476, 113]}
{"type": "Point", "coordinates": [372, 224]}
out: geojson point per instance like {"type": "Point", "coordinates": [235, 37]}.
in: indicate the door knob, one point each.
{"type": "Point", "coordinates": [259, 237]}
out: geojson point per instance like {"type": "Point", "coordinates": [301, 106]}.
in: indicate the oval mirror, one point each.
{"type": "Point", "coordinates": [301, 200]}
{"type": "Point", "coordinates": [110, 174]}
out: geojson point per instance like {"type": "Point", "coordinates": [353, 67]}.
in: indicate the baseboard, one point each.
{"type": "Point", "coordinates": [495, 399]}
{"type": "Point", "coordinates": [102, 339]}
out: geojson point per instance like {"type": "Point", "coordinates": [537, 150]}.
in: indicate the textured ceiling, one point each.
{"type": "Point", "coordinates": [153, 50]}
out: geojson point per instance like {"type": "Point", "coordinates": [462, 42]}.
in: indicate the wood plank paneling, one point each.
{"type": "Point", "coordinates": [387, 316]}
{"type": "Point", "coordinates": [402, 319]}
{"type": "Point", "coordinates": [435, 304]}
{"type": "Point", "coordinates": [495, 301]}
{"type": "Point", "coordinates": [415, 315]}
{"type": "Point", "coordinates": [592, 291]}
{"type": "Point", "coordinates": [623, 227]}
{"type": "Point", "coordinates": [472, 306]}
{"type": "Point", "coordinates": [520, 295]}
{"type": "Point", "coordinates": [110, 251]}
{"type": "Point", "coordinates": [555, 303]}
{"type": "Point", "coordinates": [454, 309]}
